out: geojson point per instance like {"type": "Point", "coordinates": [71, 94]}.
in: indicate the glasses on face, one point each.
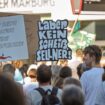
{"type": "Point", "coordinates": [32, 76]}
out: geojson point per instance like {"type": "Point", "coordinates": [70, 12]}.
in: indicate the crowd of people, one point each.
{"type": "Point", "coordinates": [25, 85]}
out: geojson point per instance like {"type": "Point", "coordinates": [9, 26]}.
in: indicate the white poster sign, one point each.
{"type": "Point", "coordinates": [59, 9]}
{"type": "Point", "coordinates": [38, 6]}
{"type": "Point", "coordinates": [13, 43]}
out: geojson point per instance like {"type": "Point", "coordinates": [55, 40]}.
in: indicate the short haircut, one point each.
{"type": "Point", "coordinates": [44, 73]}
{"type": "Point", "coordinates": [65, 72]}
{"type": "Point", "coordinates": [93, 50]}
{"type": "Point", "coordinates": [9, 68]}
{"type": "Point", "coordinates": [72, 95]}
{"type": "Point", "coordinates": [71, 81]}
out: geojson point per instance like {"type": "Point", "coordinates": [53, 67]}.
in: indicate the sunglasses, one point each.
{"type": "Point", "coordinates": [32, 76]}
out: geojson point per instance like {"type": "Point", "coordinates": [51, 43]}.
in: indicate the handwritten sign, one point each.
{"type": "Point", "coordinates": [53, 43]}
{"type": "Point", "coordinates": [13, 43]}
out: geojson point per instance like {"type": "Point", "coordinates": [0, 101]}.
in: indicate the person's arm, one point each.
{"type": "Point", "coordinates": [83, 81]}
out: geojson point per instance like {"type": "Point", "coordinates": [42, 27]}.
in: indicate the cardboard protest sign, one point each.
{"type": "Point", "coordinates": [53, 43]}
{"type": "Point", "coordinates": [13, 43]}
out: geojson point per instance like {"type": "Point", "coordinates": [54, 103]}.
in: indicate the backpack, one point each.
{"type": "Point", "coordinates": [49, 99]}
